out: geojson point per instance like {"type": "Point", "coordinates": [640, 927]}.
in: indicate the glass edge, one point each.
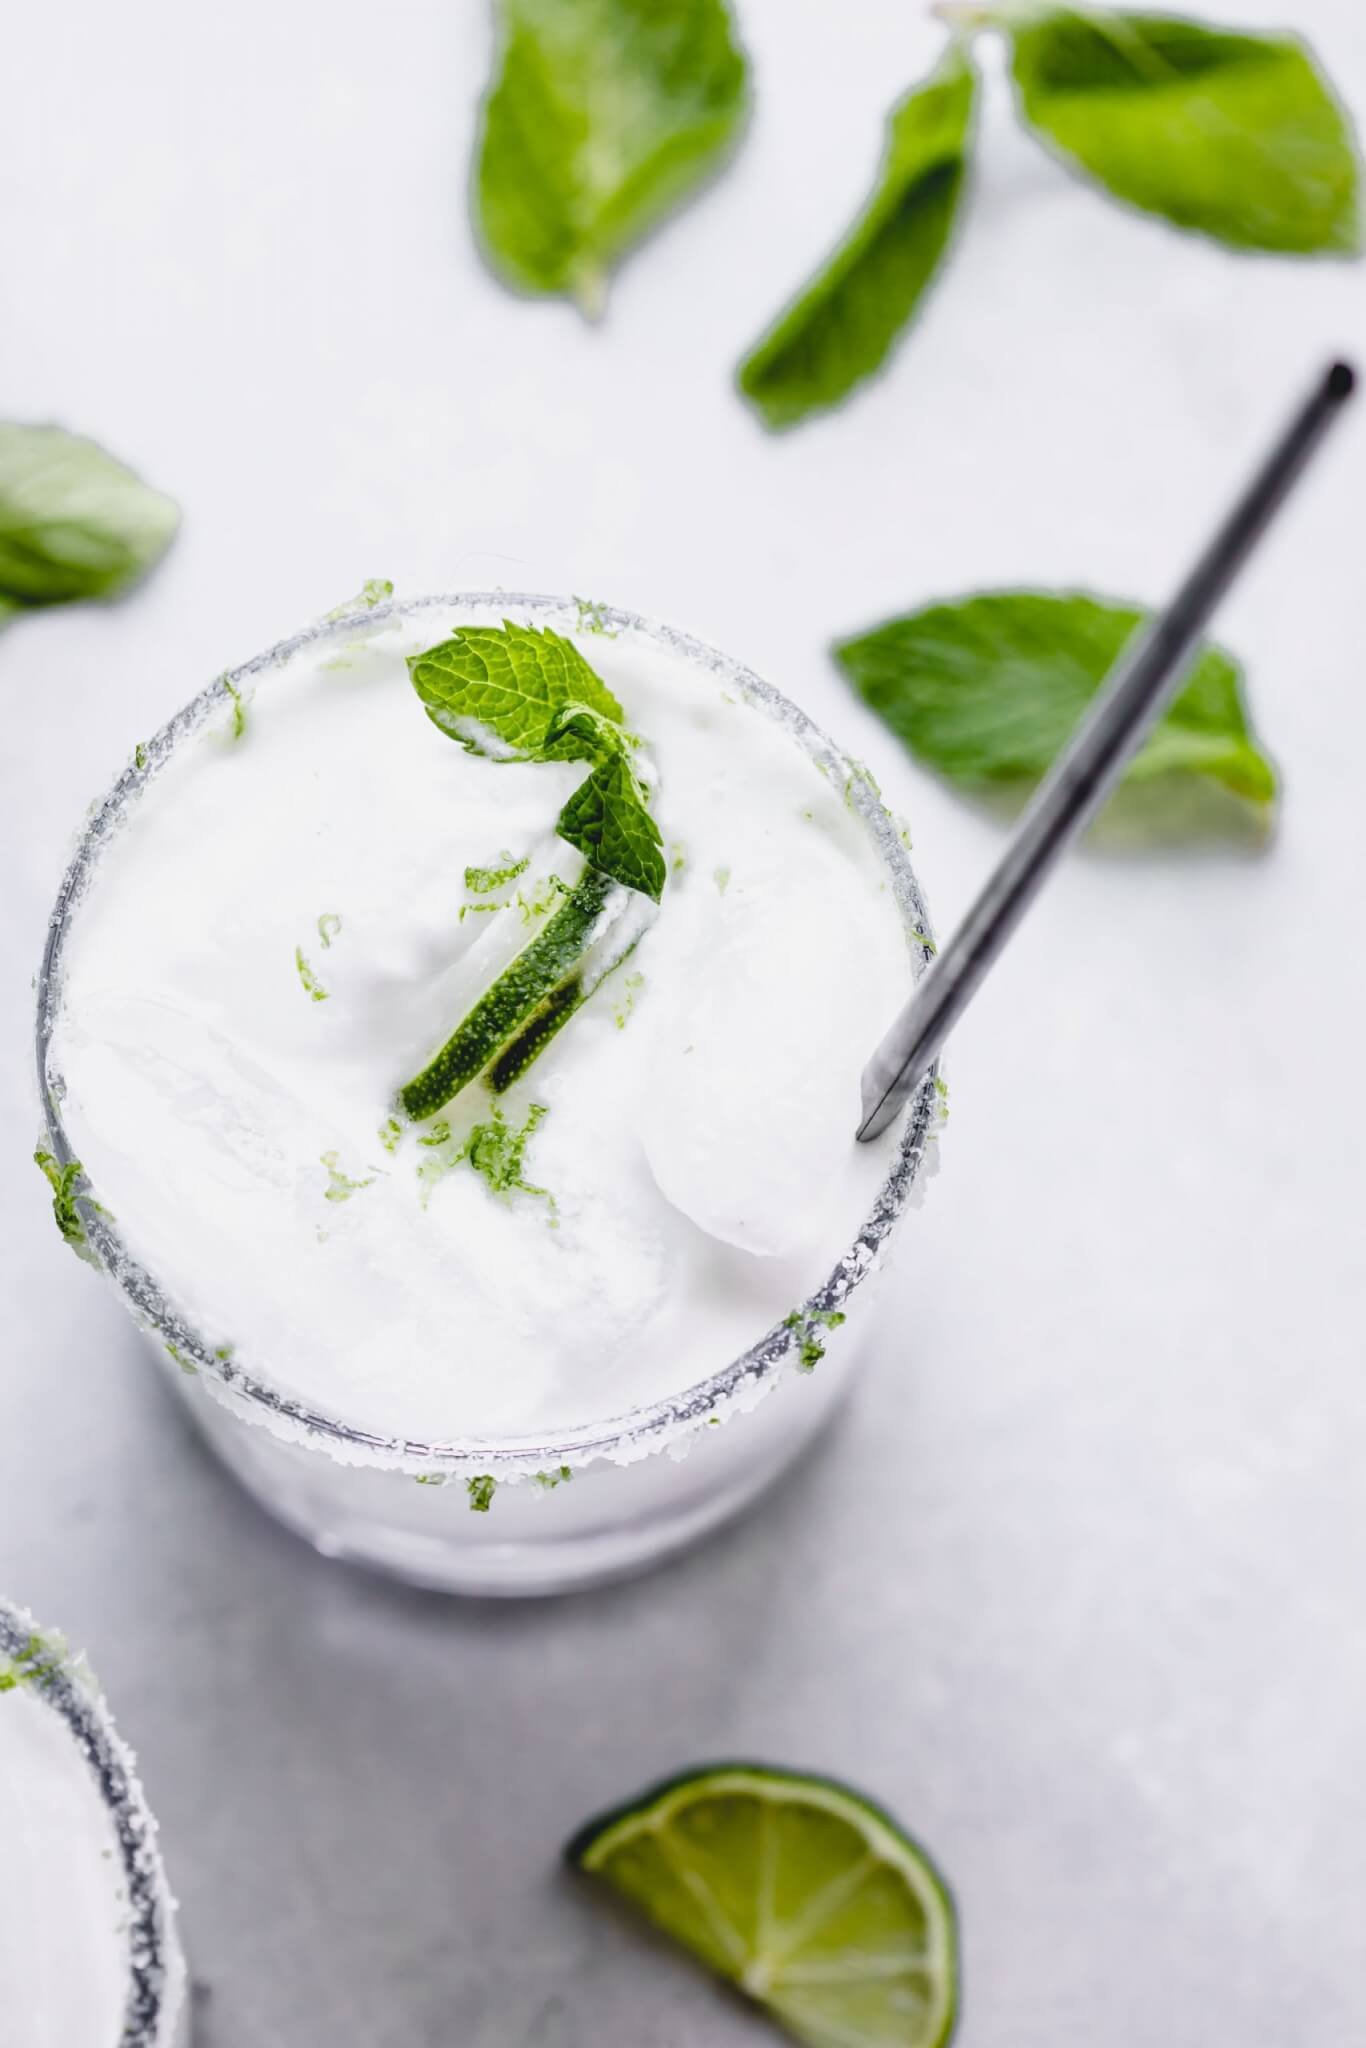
{"type": "Point", "coordinates": [158, 1996]}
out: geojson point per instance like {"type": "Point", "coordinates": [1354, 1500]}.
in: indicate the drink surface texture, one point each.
{"type": "Point", "coordinates": [298, 910]}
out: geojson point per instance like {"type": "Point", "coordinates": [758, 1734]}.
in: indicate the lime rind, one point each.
{"type": "Point", "coordinates": [800, 1891]}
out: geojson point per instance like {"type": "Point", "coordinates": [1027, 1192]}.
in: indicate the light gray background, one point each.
{"type": "Point", "coordinates": [1078, 1587]}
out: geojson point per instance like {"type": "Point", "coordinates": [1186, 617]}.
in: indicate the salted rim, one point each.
{"type": "Point", "coordinates": [71, 1692]}
{"type": "Point", "coordinates": [643, 1428]}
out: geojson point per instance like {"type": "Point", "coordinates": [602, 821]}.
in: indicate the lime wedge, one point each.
{"type": "Point", "coordinates": [801, 1893]}
{"type": "Point", "coordinates": [516, 996]}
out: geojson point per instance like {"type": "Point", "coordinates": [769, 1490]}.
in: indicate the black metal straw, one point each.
{"type": "Point", "coordinates": [1141, 682]}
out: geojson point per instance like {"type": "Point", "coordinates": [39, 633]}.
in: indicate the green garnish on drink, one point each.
{"type": "Point", "coordinates": [522, 694]}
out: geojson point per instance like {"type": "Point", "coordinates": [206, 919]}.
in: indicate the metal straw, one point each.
{"type": "Point", "coordinates": [1140, 684]}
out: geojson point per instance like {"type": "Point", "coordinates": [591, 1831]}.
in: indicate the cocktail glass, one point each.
{"type": "Point", "coordinates": [538, 1513]}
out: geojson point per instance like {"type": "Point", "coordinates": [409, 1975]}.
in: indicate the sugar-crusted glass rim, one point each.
{"type": "Point", "coordinates": [67, 1689]}
{"type": "Point", "coordinates": [621, 1436]}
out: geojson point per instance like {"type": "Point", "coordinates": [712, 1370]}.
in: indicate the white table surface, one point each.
{"type": "Point", "coordinates": [1079, 1587]}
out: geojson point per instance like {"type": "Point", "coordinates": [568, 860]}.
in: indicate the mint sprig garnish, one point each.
{"type": "Point", "coordinates": [519, 693]}
{"type": "Point", "coordinates": [74, 522]}
{"type": "Point", "coordinates": [845, 322]}
{"type": "Point", "coordinates": [1235, 136]}
{"type": "Point", "coordinates": [988, 690]}
{"type": "Point", "coordinates": [602, 117]}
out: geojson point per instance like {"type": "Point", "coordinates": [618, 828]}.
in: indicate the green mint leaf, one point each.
{"type": "Point", "coordinates": [602, 117]}
{"type": "Point", "coordinates": [607, 821]}
{"type": "Point", "coordinates": [481, 1492]}
{"type": "Point", "coordinates": [497, 689]}
{"type": "Point", "coordinates": [579, 733]}
{"type": "Point", "coordinates": [73, 521]}
{"type": "Point", "coordinates": [1239, 137]}
{"type": "Point", "coordinates": [514, 997]}
{"type": "Point", "coordinates": [844, 323]}
{"type": "Point", "coordinates": [988, 691]}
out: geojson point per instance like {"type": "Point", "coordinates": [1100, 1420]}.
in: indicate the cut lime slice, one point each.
{"type": "Point", "coordinates": [800, 1892]}
{"type": "Point", "coordinates": [516, 996]}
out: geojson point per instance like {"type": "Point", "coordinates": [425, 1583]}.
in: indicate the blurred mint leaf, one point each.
{"type": "Point", "coordinates": [607, 821]}
{"type": "Point", "coordinates": [843, 325]}
{"type": "Point", "coordinates": [603, 115]}
{"type": "Point", "coordinates": [497, 690]}
{"type": "Point", "coordinates": [987, 692]}
{"type": "Point", "coordinates": [1236, 136]}
{"type": "Point", "coordinates": [73, 522]}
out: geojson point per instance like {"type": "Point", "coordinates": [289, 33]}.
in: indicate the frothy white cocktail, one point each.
{"type": "Point", "coordinates": [318, 885]}
{"type": "Point", "coordinates": [88, 1955]}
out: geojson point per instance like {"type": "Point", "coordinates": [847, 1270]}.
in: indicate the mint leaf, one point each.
{"type": "Point", "coordinates": [843, 325]}
{"type": "Point", "coordinates": [518, 694]}
{"type": "Point", "coordinates": [497, 689]}
{"type": "Point", "coordinates": [73, 522]}
{"type": "Point", "coordinates": [607, 821]}
{"type": "Point", "coordinates": [987, 692]}
{"type": "Point", "coordinates": [1236, 136]}
{"type": "Point", "coordinates": [579, 733]}
{"type": "Point", "coordinates": [601, 118]}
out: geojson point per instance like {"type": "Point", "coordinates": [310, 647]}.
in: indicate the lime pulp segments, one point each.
{"type": "Point", "coordinates": [797, 1890]}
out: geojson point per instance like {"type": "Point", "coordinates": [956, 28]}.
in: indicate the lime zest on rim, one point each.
{"type": "Point", "coordinates": [799, 1891]}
